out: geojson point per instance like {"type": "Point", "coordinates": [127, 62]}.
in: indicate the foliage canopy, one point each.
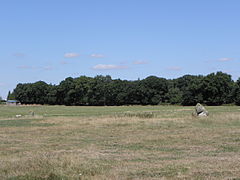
{"type": "Point", "coordinates": [213, 89]}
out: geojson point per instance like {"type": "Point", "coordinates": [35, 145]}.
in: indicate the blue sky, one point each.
{"type": "Point", "coordinates": [50, 40]}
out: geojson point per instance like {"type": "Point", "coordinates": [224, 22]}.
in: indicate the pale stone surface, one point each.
{"type": "Point", "coordinates": [202, 114]}
{"type": "Point", "coordinates": [200, 110]}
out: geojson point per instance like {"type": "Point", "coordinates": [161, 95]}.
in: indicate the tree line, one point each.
{"type": "Point", "coordinates": [212, 89]}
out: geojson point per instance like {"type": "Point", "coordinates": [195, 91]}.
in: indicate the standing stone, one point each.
{"type": "Point", "coordinates": [200, 110]}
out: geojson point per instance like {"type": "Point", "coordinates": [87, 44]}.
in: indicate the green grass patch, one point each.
{"type": "Point", "coordinates": [229, 148]}
{"type": "Point", "coordinates": [23, 123]}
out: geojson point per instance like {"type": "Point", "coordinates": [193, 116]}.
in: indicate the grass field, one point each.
{"type": "Point", "coordinates": [126, 142]}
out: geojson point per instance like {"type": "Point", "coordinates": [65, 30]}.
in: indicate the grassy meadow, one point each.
{"type": "Point", "coordinates": [125, 142]}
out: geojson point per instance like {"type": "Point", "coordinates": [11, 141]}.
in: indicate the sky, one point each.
{"type": "Point", "coordinates": [50, 40]}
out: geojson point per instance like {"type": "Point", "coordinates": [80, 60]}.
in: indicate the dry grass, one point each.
{"type": "Point", "coordinates": [121, 147]}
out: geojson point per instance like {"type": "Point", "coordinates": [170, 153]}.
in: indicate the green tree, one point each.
{"type": "Point", "coordinates": [155, 89]}
{"type": "Point", "coordinates": [213, 89]}
{"type": "Point", "coordinates": [32, 93]}
{"type": "Point", "coordinates": [82, 90]}
{"type": "Point", "coordinates": [22, 93]}
{"type": "Point", "coordinates": [117, 92]}
{"type": "Point", "coordinates": [98, 94]}
{"type": "Point", "coordinates": [188, 88]}
{"type": "Point", "coordinates": [10, 96]}
{"type": "Point", "coordinates": [39, 92]}
{"type": "Point", "coordinates": [236, 92]}
{"type": "Point", "coordinates": [63, 95]}
{"type": "Point", "coordinates": [51, 95]}
{"type": "Point", "coordinates": [174, 96]}
{"type": "Point", "coordinates": [217, 88]}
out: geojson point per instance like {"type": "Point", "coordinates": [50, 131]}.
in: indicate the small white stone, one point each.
{"type": "Point", "coordinates": [202, 114]}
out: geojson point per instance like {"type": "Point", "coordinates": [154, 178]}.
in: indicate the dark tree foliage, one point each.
{"type": "Point", "coordinates": [217, 89]}
{"type": "Point", "coordinates": [10, 96]}
{"type": "Point", "coordinates": [192, 90]}
{"type": "Point", "coordinates": [236, 92]}
{"type": "Point", "coordinates": [32, 93]}
{"type": "Point", "coordinates": [174, 95]}
{"type": "Point", "coordinates": [213, 89]}
{"type": "Point", "coordinates": [51, 97]}
{"type": "Point", "coordinates": [154, 89]}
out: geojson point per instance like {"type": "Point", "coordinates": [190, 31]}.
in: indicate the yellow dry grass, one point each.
{"type": "Point", "coordinates": [113, 147]}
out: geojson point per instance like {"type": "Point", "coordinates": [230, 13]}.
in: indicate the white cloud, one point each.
{"type": "Point", "coordinates": [225, 59]}
{"type": "Point", "coordinates": [174, 68]}
{"type": "Point", "coordinates": [71, 55]}
{"type": "Point", "coordinates": [97, 55]}
{"type": "Point", "coordinates": [140, 62]}
{"type": "Point", "coordinates": [108, 67]}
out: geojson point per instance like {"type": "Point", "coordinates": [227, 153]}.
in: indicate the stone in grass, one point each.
{"type": "Point", "coordinates": [200, 110]}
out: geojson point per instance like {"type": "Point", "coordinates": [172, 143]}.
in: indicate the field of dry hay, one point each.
{"type": "Point", "coordinates": [127, 145]}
